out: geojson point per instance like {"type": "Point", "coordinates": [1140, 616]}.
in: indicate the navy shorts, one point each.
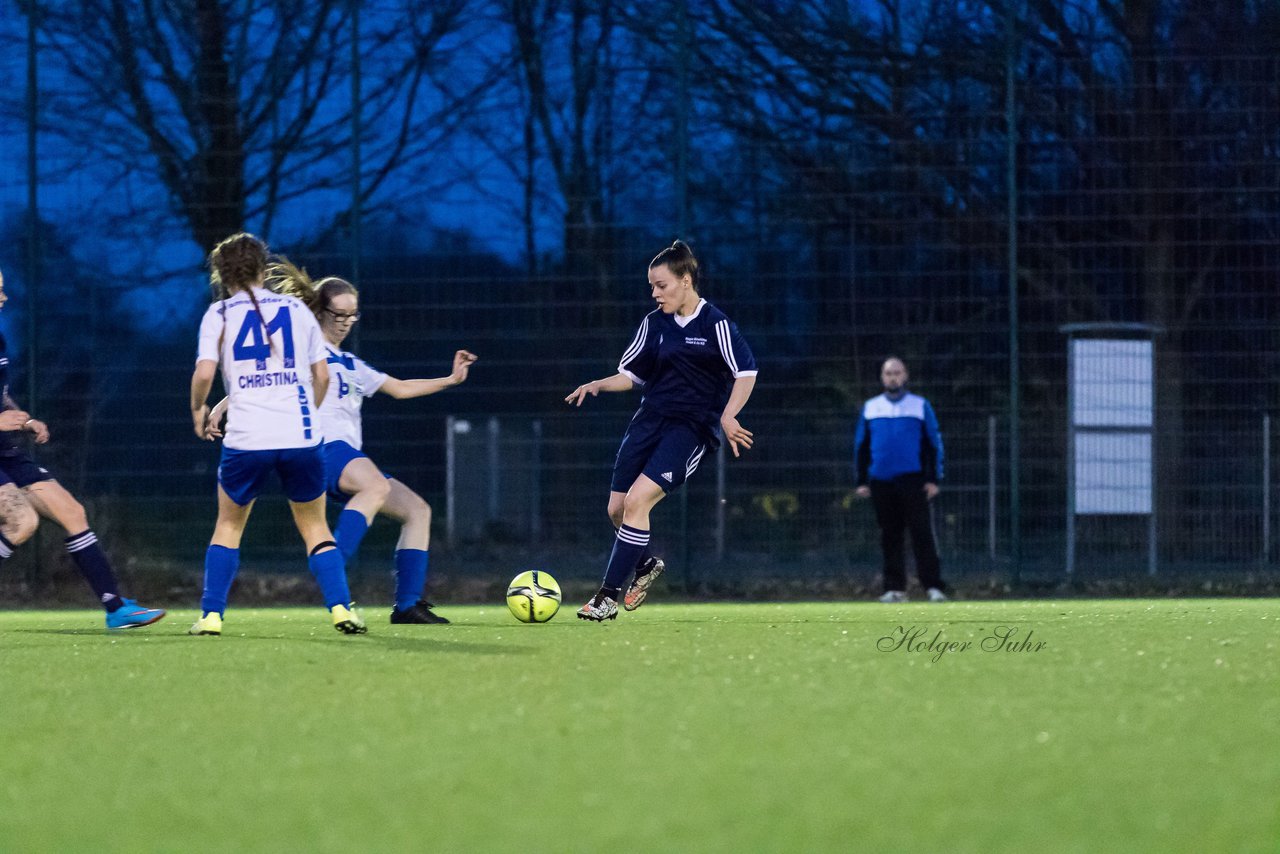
{"type": "Point", "coordinates": [243, 474]}
{"type": "Point", "coordinates": [665, 450]}
{"type": "Point", "coordinates": [22, 471]}
{"type": "Point", "coordinates": [336, 456]}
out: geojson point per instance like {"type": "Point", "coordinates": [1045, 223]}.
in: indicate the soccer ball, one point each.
{"type": "Point", "coordinates": [533, 596]}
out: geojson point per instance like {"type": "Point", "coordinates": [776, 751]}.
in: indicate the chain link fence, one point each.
{"type": "Point", "coordinates": [956, 209]}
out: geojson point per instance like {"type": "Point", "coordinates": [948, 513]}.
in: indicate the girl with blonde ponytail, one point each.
{"type": "Point", "coordinates": [351, 477]}
{"type": "Point", "coordinates": [272, 357]}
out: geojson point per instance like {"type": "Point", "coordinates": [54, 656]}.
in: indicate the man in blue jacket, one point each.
{"type": "Point", "coordinates": [897, 451]}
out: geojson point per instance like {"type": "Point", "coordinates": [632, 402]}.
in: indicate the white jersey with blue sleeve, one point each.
{"type": "Point", "coordinates": [351, 380]}
{"type": "Point", "coordinates": [266, 368]}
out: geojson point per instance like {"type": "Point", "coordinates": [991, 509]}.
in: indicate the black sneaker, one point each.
{"type": "Point", "coordinates": [419, 613]}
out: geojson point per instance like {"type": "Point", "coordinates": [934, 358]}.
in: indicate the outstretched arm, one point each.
{"type": "Point", "coordinates": [201, 383]}
{"type": "Point", "coordinates": [617, 382]}
{"type": "Point", "coordinates": [734, 433]}
{"type": "Point", "coordinates": [402, 389]}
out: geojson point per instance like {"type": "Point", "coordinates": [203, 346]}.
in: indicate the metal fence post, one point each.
{"type": "Point", "coordinates": [1266, 488]}
{"type": "Point", "coordinates": [535, 483]}
{"type": "Point", "coordinates": [720, 504]}
{"type": "Point", "coordinates": [991, 487]}
{"type": "Point", "coordinates": [450, 482]}
{"type": "Point", "coordinates": [495, 433]}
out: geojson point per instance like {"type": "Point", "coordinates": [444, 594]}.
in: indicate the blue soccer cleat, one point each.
{"type": "Point", "coordinates": [131, 615]}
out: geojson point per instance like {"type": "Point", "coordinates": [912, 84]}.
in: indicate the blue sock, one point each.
{"type": "Point", "coordinates": [350, 530]}
{"type": "Point", "coordinates": [411, 577]}
{"type": "Point", "coordinates": [630, 544]}
{"type": "Point", "coordinates": [220, 567]}
{"type": "Point", "coordinates": [95, 568]}
{"type": "Point", "coordinates": [330, 571]}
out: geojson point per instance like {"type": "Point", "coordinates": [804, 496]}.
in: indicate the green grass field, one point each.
{"type": "Point", "coordinates": [1136, 726]}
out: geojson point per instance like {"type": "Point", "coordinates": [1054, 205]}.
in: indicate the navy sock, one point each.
{"type": "Point", "coordinates": [350, 530]}
{"type": "Point", "coordinates": [95, 568]}
{"type": "Point", "coordinates": [220, 567]}
{"type": "Point", "coordinates": [630, 544]}
{"type": "Point", "coordinates": [6, 547]}
{"type": "Point", "coordinates": [411, 576]}
{"type": "Point", "coordinates": [330, 571]}
{"type": "Point", "coordinates": [644, 555]}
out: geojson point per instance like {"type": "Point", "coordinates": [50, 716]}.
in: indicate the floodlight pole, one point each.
{"type": "Point", "coordinates": [31, 297]}
{"type": "Point", "coordinates": [1011, 273]}
{"type": "Point", "coordinates": [682, 216]}
{"type": "Point", "coordinates": [356, 158]}
{"type": "Point", "coordinates": [1266, 488]}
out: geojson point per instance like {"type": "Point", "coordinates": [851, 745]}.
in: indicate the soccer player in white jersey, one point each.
{"type": "Point", "coordinates": [351, 477]}
{"type": "Point", "coordinates": [697, 373]}
{"type": "Point", "coordinates": [272, 358]}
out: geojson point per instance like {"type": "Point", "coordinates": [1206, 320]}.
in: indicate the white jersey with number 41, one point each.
{"type": "Point", "coordinates": [266, 368]}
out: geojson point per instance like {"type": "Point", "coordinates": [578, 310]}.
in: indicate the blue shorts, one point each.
{"type": "Point", "coordinates": [665, 450]}
{"type": "Point", "coordinates": [21, 470]}
{"type": "Point", "coordinates": [336, 456]}
{"type": "Point", "coordinates": [243, 474]}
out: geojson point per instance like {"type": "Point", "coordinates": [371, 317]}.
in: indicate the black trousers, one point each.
{"type": "Point", "coordinates": [901, 505]}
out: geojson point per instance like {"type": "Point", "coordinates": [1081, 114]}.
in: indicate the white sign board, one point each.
{"type": "Point", "coordinates": [1111, 383]}
{"type": "Point", "coordinates": [1113, 473]}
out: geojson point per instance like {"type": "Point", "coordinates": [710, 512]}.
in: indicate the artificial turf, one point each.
{"type": "Point", "coordinates": [1137, 725]}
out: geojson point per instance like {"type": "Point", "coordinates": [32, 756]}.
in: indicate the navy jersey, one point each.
{"type": "Point", "coordinates": [687, 365]}
{"type": "Point", "coordinates": [8, 440]}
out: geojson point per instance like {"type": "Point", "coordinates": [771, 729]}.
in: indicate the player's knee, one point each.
{"type": "Point", "coordinates": [632, 504]}
{"type": "Point", "coordinates": [615, 514]}
{"type": "Point", "coordinates": [21, 525]}
{"type": "Point", "coordinates": [73, 517]}
{"type": "Point", "coordinates": [378, 490]}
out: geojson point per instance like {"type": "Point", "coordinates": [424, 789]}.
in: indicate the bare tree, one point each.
{"type": "Point", "coordinates": [238, 110]}
{"type": "Point", "coordinates": [584, 106]}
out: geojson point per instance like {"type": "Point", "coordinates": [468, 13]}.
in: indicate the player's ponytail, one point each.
{"type": "Point", "coordinates": [285, 277]}
{"type": "Point", "coordinates": [680, 259]}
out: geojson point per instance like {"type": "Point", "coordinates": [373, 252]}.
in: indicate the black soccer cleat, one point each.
{"type": "Point", "coordinates": [420, 614]}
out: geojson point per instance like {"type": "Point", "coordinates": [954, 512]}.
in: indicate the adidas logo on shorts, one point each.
{"type": "Point", "coordinates": [666, 475]}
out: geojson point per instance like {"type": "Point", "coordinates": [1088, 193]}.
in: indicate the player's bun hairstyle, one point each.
{"type": "Point", "coordinates": [285, 277]}
{"type": "Point", "coordinates": [680, 259]}
{"type": "Point", "coordinates": [236, 263]}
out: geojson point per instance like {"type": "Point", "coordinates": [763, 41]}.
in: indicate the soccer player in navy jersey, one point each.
{"type": "Point", "coordinates": [697, 373]}
{"type": "Point", "coordinates": [28, 491]}
{"type": "Point", "coordinates": [273, 362]}
{"type": "Point", "coordinates": [352, 478]}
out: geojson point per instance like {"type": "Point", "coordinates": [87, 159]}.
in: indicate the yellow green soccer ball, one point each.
{"type": "Point", "coordinates": [533, 596]}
